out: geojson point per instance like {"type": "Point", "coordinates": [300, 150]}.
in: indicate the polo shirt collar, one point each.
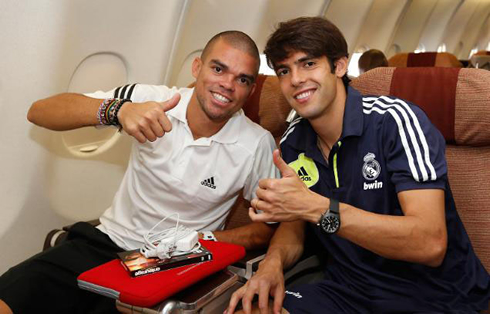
{"type": "Point", "coordinates": [352, 126]}
{"type": "Point", "coordinates": [353, 115]}
{"type": "Point", "coordinates": [307, 142]}
{"type": "Point", "coordinates": [228, 133]}
{"type": "Point", "coordinates": [179, 112]}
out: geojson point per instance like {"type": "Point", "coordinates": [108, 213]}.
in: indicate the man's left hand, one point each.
{"type": "Point", "coordinates": [285, 199]}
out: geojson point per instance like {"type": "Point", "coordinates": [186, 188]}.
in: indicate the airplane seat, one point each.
{"type": "Point", "coordinates": [457, 100]}
{"type": "Point", "coordinates": [424, 59]}
{"type": "Point", "coordinates": [269, 108]}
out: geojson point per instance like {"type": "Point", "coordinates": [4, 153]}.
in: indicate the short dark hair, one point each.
{"type": "Point", "coordinates": [238, 40]}
{"type": "Point", "coordinates": [315, 36]}
{"type": "Point", "coordinates": [371, 59]}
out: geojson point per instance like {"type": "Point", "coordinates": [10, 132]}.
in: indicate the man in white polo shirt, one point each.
{"type": "Point", "coordinates": [195, 152]}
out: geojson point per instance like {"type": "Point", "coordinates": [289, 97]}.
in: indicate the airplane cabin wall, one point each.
{"type": "Point", "coordinates": [382, 19]}
{"type": "Point", "coordinates": [455, 28]}
{"type": "Point", "coordinates": [412, 25]}
{"type": "Point", "coordinates": [433, 33]}
{"type": "Point", "coordinates": [349, 16]}
{"type": "Point", "coordinates": [473, 29]}
{"type": "Point", "coordinates": [44, 183]}
{"type": "Point", "coordinates": [483, 42]}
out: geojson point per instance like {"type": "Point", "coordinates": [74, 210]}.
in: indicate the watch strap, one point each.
{"type": "Point", "coordinates": [334, 206]}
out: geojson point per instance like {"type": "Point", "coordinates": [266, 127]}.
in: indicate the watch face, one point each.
{"type": "Point", "coordinates": [330, 223]}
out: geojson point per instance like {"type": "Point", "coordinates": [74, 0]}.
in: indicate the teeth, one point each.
{"type": "Point", "coordinates": [304, 95]}
{"type": "Point", "coordinates": [220, 98]}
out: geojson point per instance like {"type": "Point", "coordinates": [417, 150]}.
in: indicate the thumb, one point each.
{"type": "Point", "coordinates": [283, 167]}
{"type": "Point", "coordinates": [172, 102]}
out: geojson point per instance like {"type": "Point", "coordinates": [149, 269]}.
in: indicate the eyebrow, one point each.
{"type": "Point", "coordinates": [300, 60]}
{"type": "Point", "coordinates": [225, 67]}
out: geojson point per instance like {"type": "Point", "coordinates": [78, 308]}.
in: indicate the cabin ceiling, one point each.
{"type": "Point", "coordinates": [389, 25]}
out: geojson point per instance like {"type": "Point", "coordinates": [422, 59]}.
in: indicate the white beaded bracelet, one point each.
{"type": "Point", "coordinates": [208, 235]}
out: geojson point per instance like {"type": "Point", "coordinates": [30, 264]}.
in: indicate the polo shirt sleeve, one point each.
{"type": "Point", "coordinates": [414, 150]}
{"type": "Point", "coordinates": [263, 166]}
{"type": "Point", "coordinates": [137, 93]}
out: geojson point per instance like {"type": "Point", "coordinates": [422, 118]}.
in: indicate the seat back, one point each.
{"type": "Point", "coordinates": [458, 103]}
{"type": "Point", "coordinates": [482, 53]}
{"type": "Point", "coordinates": [267, 107]}
{"type": "Point", "coordinates": [424, 59]}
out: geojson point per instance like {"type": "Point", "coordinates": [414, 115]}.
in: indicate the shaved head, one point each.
{"type": "Point", "coordinates": [238, 40]}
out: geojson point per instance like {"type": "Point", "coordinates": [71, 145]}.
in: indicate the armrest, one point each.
{"type": "Point", "coordinates": [247, 266]}
{"type": "Point", "coordinates": [56, 236]}
{"type": "Point", "coordinates": [210, 295]}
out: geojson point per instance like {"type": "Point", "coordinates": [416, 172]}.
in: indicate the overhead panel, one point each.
{"type": "Point", "coordinates": [349, 16]}
{"type": "Point", "coordinates": [380, 24]}
{"type": "Point", "coordinates": [484, 36]}
{"type": "Point", "coordinates": [433, 33]}
{"type": "Point", "coordinates": [472, 32]}
{"type": "Point", "coordinates": [453, 35]}
{"type": "Point", "coordinates": [412, 24]}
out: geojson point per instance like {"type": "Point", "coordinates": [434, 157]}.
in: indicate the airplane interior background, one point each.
{"type": "Point", "coordinates": [51, 179]}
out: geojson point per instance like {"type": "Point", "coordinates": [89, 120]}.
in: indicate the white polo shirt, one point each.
{"type": "Point", "coordinates": [199, 179]}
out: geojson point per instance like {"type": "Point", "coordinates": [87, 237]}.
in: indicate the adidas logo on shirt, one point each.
{"type": "Point", "coordinates": [209, 183]}
{"type": "Point", "coordinates": [303, 175]}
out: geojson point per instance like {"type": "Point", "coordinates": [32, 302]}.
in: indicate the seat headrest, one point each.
{"type": "Point", "coordinates": [456, 100]}
{"type": "Point", "coordinates": [424, 59]}
{"type": "Point", "coordinates": [482, 52]}
{"type": "Point", "coordinates": [267, 106]}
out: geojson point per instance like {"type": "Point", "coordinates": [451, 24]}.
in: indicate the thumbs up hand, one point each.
{"type": "Point", "coordinates": [148, 120]}
{"type": "Point", "coordinates": [285, 199]}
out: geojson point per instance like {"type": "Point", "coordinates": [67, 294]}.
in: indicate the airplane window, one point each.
{"type": "Point", "coordinates": [353, 69]}
{"type": "Point", "coordinates": [441, 48]}
{"type": "Point", "coordinates": [472, 52]}
{"type": "Point", "coordinates": [420, 48]}
{"type": "Point", "coordinates": [264, 68]}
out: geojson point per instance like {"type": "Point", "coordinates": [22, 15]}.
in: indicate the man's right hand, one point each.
{"type": "Point", "coordinates": [269, 280]}
{"type": "Point", "coordinates": [148, 120]}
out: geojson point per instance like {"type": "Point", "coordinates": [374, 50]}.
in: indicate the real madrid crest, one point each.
{"type": "Point", "coordinates": [371, 168]}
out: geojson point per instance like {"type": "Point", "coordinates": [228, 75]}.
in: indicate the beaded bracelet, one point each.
{"type": "Point", "coordinates": [108, 110]}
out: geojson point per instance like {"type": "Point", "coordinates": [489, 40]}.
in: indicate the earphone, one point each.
{"type": "Point", "coordinates": [170, 242]}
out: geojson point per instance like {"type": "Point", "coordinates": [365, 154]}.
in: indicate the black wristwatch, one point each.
{"type": "Point", "coordinates": [330, 220]}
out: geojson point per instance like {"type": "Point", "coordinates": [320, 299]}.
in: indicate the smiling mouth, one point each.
{"type": "Point", "coordinates": [220, 98]}
{"type": "Point", "coordinates": [304, 95]}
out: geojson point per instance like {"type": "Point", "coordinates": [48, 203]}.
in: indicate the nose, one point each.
{"type": "Point", "coordinates": [297, 77]}
{"type": "Point", "coordinates": [228, 82]}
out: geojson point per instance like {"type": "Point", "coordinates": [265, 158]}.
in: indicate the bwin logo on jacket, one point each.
{"type": "Point", "coordinates": [370, 171]}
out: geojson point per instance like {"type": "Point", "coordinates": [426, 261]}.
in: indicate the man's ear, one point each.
{"type": "Point", "coordinates": [341, 66]}
{"type": "Point", "coordinates": [196, 67]}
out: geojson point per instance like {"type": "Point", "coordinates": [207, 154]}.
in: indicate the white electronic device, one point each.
{"type": "Point", "coordinates": [170, 242]}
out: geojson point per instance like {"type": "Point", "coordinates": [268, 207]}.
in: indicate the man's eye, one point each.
{"type": "Point", "coordinates": [309, 64]}
{"type": "Point", "coordinates": [218, 69]}
{"type": "Point", "coordinates": [244, 81]}
{"type": "Point", "coordinates": [282, 72]}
